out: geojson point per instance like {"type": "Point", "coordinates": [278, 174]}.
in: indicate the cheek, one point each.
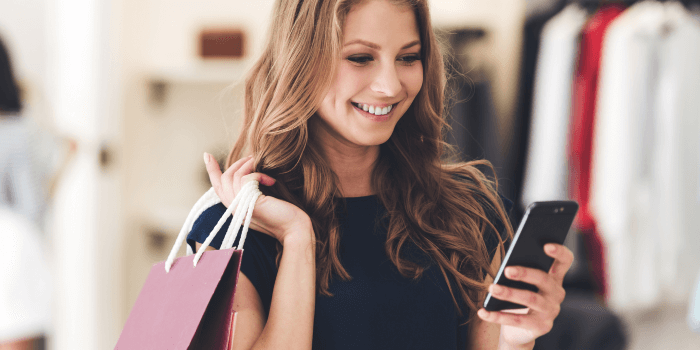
{"type": "Point", "coordinates": [349, 81]}
{"type": "Point", "coordinates": [327, 104]}
{"type": "Point", "coordinates": [413, 80]}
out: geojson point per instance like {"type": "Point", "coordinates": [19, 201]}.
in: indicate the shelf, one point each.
{"type": "Point", "coordinates": [205, 73]}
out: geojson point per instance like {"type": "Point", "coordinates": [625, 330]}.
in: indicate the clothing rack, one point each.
{"type": "Point", "coordinates": [594, 4]}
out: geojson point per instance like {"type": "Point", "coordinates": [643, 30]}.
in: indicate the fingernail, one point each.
{"type": "Point", "coordinates": [552, 248]}
{"type": "Point", "coordinates": [206, 158]}
{"type": "Point", "coordinates": [496, 289]}
{"type": "Point", "coordinates": [512, 272]}
{"type": "Point", "coordinates": [483, 313]}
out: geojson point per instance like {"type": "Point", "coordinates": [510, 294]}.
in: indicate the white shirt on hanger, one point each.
{"type": "Point", "coordinates": [678, 110]}
{"type": "Point", "coordinates": [546, 168]}
{"type": "Point", "coordinates": [619, 178]}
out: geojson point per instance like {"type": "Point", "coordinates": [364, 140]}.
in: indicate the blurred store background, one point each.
{"type": "Point", "coordinates": [590, 100]}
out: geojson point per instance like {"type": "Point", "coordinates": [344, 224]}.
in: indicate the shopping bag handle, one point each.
{"type": "Point", "coordinates": [243, 205]}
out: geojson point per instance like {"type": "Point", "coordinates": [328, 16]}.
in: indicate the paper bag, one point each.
{"type": "Point", "coordinates": [187, 303]}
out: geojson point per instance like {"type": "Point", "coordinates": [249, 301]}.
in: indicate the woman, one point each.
{"type": "Point", "coordinates": [365, 239]}
{"type": "Point", "coordinates": [24, 290]}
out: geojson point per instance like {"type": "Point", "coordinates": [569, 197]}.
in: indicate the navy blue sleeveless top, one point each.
{"type": "Point", "coordinates": [378, 308]}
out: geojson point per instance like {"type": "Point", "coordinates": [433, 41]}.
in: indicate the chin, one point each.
{"type": "Point", "coordinates": [373, 140]}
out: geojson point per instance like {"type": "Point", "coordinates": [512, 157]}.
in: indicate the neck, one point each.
{"type": "Point", "coordinates": [352, 164]}
{"type": "Point", "coordinates": [354, 169]}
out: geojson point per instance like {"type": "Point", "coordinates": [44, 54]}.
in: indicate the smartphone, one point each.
{"type": "Point", "coordinates": [543, 222]}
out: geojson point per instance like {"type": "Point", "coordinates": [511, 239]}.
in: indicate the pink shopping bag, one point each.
{"type": "Point", "coordinates": [187, 303]}
{"type": "Point", "coordinates": [186, 308]}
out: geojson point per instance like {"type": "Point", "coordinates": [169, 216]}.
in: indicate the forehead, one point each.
{"type": "Point", "coordinates": [382, 22]}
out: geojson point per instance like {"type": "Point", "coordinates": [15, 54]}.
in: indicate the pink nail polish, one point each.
{"type": "Point", "coordinates": [206, 158]}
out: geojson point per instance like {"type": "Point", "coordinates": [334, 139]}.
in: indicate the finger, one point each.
{"type": "Point", "coordinates": [527, 298]}
{"type": "Point", "coordinates": [214, 172]}
{"type": "Point", "coordinates": [538, 278]}
{"type": "Point", "coordinates": [536, 325]}
{"type": "Point", "coordinates": [229, 173]}
{"type": "Point", "coordinates": [244, 170]}
{"type": "Point", "coordinates": [236, 165]}
{"type": "Point", "coordinates": [259, 177]}
{"type": "Point", "coordinates": [563, 258]}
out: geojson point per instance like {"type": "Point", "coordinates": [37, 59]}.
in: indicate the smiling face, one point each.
{"type": "Point", "coordinates": [379, 75]}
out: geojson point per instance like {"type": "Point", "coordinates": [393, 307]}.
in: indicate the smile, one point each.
{"type": "Point", "coordinates": [374, 110]}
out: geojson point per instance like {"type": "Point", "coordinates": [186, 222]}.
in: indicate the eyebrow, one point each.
{"type": "Point", "coordinates": [376, 47]}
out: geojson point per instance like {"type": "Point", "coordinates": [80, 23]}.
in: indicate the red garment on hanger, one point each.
{"type": "Point", "coordinates": [581, 137]}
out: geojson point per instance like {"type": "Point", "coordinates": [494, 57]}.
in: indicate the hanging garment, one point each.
{"type": "Point", "coordinates": [583, 104]}
{"type": "Point", "coordinates": [546, 168]}
{"type": "Point", "coordinates": [472, 113]}
{"type": "Point", "coordinates": [678, 151]}
{"type": "Point", "coordinates": [623, 141]}
{"type": "Point", "coordinates": [516, 152]}
{"type": "Point", "coordinates": [472, 116]}
{"type": "Point", "coordinates": [642, 172]}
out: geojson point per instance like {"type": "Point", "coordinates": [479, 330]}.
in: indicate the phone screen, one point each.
{"type": "Point", "coordinates": [544, 222]}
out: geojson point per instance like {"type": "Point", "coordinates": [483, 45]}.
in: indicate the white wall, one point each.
{"type": "Point", "coordinates": [83, 89]}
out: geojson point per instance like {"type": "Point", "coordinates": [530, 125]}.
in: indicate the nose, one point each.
{"type": "Point", "coordinates": [387, 81]}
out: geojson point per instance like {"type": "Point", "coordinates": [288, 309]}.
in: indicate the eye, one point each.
{"type": "Point", "coordinates": [360, 59]}
{"type": "Point", "coordinates": [409, 59]}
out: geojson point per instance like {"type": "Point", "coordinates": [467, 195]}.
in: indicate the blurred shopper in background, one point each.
{"type": "Point", "coordinates": [24, 291]}
{"type": "Point", "coordinates": [19, 186]}
{"type": "Point", "coordinates": [31, 161]}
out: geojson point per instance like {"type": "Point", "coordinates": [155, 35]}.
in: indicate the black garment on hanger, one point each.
{"type": "Point", "coordinates": [471, 110]}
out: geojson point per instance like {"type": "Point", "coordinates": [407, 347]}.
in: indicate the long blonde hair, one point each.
{"type": "Point", "coordinates": [439, 207]}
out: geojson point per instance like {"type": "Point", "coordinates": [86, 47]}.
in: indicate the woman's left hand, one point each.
{"type": "Point", "coordinates": [521, 330]}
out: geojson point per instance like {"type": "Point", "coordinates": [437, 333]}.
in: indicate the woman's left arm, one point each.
{"type": "Point", "coordinates": [500, 330]}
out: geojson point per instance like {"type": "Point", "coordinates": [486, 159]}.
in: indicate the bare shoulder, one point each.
{"type": "Point", "coordinates": [251, 318]}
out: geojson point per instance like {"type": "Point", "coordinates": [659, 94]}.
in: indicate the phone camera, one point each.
{"type": "Point", "coordinates": [556, 210]}
{"type": "Point", "coordinates": [561, 209]}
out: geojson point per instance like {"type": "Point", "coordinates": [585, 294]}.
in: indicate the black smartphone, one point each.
{"type": "Point", "coordinates": [543, 222]}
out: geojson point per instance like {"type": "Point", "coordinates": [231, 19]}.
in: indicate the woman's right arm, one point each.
{"type": "Point", "coordinates": [289, 324]}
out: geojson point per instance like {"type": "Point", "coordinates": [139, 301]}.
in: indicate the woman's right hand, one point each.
{"type": "Point", "coordinates": [277, 218]}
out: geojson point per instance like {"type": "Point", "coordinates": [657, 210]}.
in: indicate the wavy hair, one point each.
{"type": "Point", "coordinates": [440, 207]}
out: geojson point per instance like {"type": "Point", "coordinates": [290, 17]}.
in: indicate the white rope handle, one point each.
{"type": "Point", "coordinates": [243, 204]}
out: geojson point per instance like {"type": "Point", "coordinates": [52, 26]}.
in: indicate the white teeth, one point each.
{"type": "Point", "coordinates": [374, 110]}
